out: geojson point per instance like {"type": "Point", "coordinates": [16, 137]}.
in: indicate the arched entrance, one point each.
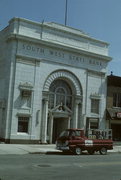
{"type": "Point", "coordinates": [60, 105]}
{"type": "Point", "coordinates": [62, 97]}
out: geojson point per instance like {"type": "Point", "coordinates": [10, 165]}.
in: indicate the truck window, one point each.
{"type": "Point", "coordinates": [77, 133]}
{"type": "Point", "coordinates": [64, 134]}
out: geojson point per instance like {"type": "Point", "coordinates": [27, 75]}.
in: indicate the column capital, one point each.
{"type": "Point", "coordinates": [45, 94]}
{"type": "Point", "coordinates": [78, 99]}
{"type": "Point", "coordinates": [45, 99]}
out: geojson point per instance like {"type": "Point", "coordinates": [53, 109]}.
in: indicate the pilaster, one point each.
{"type": "Point", "coordinates": [44, 123]}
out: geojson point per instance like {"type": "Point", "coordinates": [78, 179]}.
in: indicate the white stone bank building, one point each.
{"type": "Point", "coordinates": [52, 77]}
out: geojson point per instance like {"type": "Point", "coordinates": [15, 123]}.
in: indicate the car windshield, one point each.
{"type": "Point", "coordinates": [64, 133]}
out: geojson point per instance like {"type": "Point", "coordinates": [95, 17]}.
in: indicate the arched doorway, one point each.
{"type": "Point", "coordinates": [62, 98]}
{"type": "Point", "coordinates": [60, 105]}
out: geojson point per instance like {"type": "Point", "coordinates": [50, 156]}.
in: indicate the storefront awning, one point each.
{"type": "Point", "coordinates": [114, 113]}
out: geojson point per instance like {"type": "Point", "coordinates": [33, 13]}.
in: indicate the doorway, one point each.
{"type": "Point", "coordinates": [59, 125]}
{"type": "Point", "coordinates": [116, 131]}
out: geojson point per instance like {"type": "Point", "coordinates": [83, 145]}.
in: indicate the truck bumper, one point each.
{"type": "Point", "coordinates": [63, 148]}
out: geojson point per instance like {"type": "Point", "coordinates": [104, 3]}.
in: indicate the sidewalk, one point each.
{"type": "Point", "coordinates": [26, 148]}
{"type": "Point", "coordinates": [36, 149]}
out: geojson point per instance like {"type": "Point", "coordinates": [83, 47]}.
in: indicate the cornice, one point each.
{"type": "Point", "coordinates": [98, 73]}
{"type": "Point", "coordinates": [61, 46]}
{"type": "Point", "coordinates": [60, 27]}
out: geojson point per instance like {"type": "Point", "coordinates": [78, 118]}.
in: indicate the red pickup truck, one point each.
{"type": "Point", "coordinates": [75, 141]}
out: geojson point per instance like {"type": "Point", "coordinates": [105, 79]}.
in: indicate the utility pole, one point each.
{"type": "Point", "coordinates": [66, 8]}
{"type": "Point", "coordinates": [42, 28]}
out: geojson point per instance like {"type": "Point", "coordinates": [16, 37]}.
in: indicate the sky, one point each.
{"type": "Point", "coordinates": [101, 19]}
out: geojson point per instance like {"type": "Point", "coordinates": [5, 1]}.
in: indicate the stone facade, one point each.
{"type": "Point", "coordinates": [52, 77]}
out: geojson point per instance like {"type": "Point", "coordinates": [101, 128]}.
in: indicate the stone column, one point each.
{"type": "Point", "coordinates": [81, 118]}
{"type": "Point", "coordinates": [75, 120]}
{"type": "Point", "coordinates": [45, 118]}
{"type": "Point", "coordinates": [76, 112]}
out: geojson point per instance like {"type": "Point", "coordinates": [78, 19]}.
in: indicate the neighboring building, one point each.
{"type": "Point", "coordinates": [52, 77]}
{"type": "Point", "coordinates": [114, 106]}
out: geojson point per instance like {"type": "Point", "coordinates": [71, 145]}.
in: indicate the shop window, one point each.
{"type": "Point", "coordinates": [23, 124]}
{"type": "Point", "coordinates": [95, 106]}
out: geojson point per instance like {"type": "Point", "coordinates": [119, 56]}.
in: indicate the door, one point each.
{"type": "Point", "coordinates": [116, 132]}
{"type": "Point", "coordinates": [59, 125]}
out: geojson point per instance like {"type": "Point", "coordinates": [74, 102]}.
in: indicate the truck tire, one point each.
{"type": "Point", "coordinates": [78, 151]}
{"type": "Point", "coordinates": [103, 151]}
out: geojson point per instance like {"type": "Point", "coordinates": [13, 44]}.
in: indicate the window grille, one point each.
{"type": "Point", "coordinates": [23, 124]}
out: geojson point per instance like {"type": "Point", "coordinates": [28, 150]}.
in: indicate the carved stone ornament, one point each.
{"type": "Point", "coordinates": [26, 86]}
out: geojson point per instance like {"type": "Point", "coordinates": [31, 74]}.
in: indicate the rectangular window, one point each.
{"type": "Point", "coordinates": [23, 124]}
{"type": "Point", "coordinates": [117, 99]}
{"type": "Point", "coordinates": [95, 106]}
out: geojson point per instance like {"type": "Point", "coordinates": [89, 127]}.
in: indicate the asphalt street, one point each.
{"type": "Point", "coordinates": [60, 167]}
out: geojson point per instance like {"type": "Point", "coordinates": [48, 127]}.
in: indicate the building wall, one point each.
{"type": "Point", "coordinates": [114, 109]}
{"type": "Point", "coordinates": [33, 53]}
{"type": "Point", "coordinates": [6, 64]}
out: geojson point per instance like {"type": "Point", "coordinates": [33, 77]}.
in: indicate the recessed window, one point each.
{"type": "Point", "coordinates": [95, 106]}
{"type": "Point", "coordinates": [26, 93]}
{"type": "Point", "coordinates": [93, 125]}
{"type": "Point", "coordinates": [23, 124]}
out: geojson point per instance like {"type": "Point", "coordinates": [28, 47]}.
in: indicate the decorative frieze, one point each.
{"type": "Point", "coordinates": [66, 57]}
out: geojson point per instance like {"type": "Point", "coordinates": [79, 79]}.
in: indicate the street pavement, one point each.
{"type": "Point", "coordinates": [38, 148]}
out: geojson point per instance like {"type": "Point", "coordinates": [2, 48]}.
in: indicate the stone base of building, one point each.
{"type": "Point", "coordinates": [20, 141]}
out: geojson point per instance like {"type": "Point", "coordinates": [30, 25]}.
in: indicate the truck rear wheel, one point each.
{"type": "Point", "coordinates": [103, 151]}
{"type": "Point", "coordinates": [78, 151]}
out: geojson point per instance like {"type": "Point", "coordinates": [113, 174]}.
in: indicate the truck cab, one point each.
{"type": "Point", "coordinates": [74, 140]}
